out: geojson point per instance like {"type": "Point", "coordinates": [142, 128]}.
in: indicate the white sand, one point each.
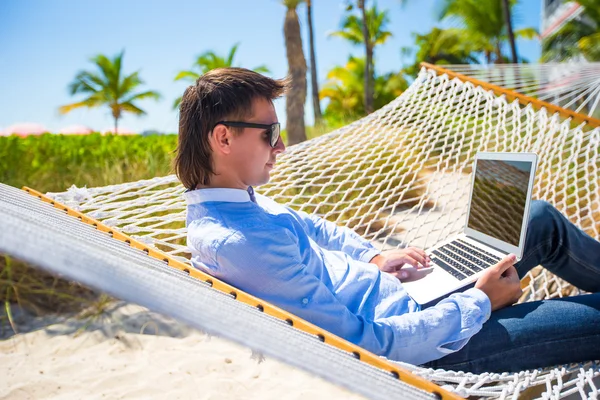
{"type": "Point", "coordinates": [131, 353]}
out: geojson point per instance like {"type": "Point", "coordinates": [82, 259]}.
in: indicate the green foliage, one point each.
{"type": "Point", "coordinates": [109, 88]}
{"type": "Point", "coordinates": [580, 36]}
{"type": "Point", "coordinates": [55, 162]}
{"type": "Point", "coordinates": [442, 46]}
{"type": "Point", "coordinates": [345, 87]}
{"type": "Point", "coordinates": [377, 21]}
{"type": "Point", "coordinates": [207, 61]}
{"type": "Point", "coordinates": [482, 25]}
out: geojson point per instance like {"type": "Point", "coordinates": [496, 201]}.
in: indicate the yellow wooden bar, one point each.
{"type": "Point", "coordinates": [298, 323]}
{"type": "Point", "coordinates": [512, 95]}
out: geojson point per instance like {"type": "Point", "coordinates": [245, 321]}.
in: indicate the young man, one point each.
{"type": "Point", "coordinates": [229, 142]}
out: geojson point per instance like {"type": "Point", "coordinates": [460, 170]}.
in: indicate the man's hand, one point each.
{"type": "Point", "coordinates": [501, 283]}
{"type": "Point", "coordinates": [392, 261]}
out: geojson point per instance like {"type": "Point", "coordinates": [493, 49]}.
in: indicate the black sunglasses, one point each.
{"type": "Point", "coordinates": [272, 129]}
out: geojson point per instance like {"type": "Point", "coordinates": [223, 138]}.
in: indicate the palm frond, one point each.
{"type": "Point", "coordinates": [262, 69]}
{"type": "Point", "coordinates": [86, 82]}
{"type": "Point", "coordinates": [90, 103]}
{"type": "Point", "coordinates": [590, 46]}
{"type": "Point", "coordinates": [128, 84]}
{"type": "Point", "coordinates": [108, 87]}
{"type": "Point", "coordinates": [352, 36]}
{"type": "Point", "coordinates": [231, 55]}
{"type": "Point", "coordinates": [526, 33]}
{"type": "Point", "coordinates": [177, 102]}
{"type": "Point", "coordinates": [129, 107]}
{"type": "Point", "coordinates": [150, 94]}
{"type": "Point", "coordinates": [187, 75]}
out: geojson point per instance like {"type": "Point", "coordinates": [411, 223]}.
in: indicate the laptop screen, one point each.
{"type": "Point", "coordinates": [499, 198]}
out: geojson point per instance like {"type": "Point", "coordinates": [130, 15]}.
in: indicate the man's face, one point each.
{"type": "Point", "coordinates": [252, 157]}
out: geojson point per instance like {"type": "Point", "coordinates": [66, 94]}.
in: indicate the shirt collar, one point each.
{"type": "Point", "coordinates": [217, 194]}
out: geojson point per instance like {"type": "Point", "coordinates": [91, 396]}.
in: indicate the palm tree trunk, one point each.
{"type": "Point", "coordinates": [116, 115]}
{"type": "Point", "coordinates": [369, 60]}
{"type": "Point", "coordinates": [509, 29]}
{"type": "Point", "coordinates": [313, 68]}
{"type": "Point", "coordinates": [294, 102]}
{"type": "Point", "coordinates": [499, 59]}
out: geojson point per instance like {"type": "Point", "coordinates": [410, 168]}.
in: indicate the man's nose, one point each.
{"type": "Point", "coordinates": [279, 147]}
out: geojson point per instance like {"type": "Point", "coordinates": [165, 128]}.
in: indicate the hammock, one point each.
{"type": "Point", "coordinates": [573, 85]}
{"type": "Point", "coordinates": [399, 176]}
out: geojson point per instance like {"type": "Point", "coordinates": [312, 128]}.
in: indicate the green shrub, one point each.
{"type": "Point", "coordinates": [50, 163]}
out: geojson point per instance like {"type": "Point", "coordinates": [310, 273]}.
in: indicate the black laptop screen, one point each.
{"type": "Point", "coordinates": [499, 197]}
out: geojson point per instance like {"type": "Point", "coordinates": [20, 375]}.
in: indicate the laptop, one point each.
{"type": "Point", "coordinates": [495, 226]}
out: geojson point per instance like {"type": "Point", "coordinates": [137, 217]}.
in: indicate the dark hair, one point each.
{"type": "Point", "coordinates": [220, 94]}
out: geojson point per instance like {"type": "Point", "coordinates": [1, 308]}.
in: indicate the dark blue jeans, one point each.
{"type": "Point", "coordinates": [549, 332]}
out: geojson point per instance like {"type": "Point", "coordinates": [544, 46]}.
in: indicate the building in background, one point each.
{"type": "Point", "coordinates": [555, 13]}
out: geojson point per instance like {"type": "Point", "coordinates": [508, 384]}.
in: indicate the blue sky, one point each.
{"type": "Point", "coordinates": [43, 44]}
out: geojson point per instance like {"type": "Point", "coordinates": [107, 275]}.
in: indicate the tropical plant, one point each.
{"type": "Point", "coordinates": [296, 97]}
{"type": "Point", "coordinates": [578, 36]}
{"type": "Point", "coordinates": [370, 35]}
{"type": "Point", "coordinates": [345, 87]}
{"type": "Point", "coordinates": [483, 25]}
{"type": "Point", "coordinates": [440, 46]}
{"type": "Point", "coordinates": [109, 88]}
{"type": "Point", "coordinates": [210, 60]}
{"type": "Point", "coordinates": [313, 67]}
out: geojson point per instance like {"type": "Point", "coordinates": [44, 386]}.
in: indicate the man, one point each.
{"type": "Point", "coordinates": [229, 142]}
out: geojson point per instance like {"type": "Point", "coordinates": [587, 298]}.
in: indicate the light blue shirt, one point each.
{"type": "Point", "coordinates": [321, 272]}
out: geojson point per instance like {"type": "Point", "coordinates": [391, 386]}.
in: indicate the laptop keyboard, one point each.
{"type": "Point", "coordinates": [461, 260]}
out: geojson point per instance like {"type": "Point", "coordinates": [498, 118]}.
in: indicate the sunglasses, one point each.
{"type": "Point", "coordinates": [273, 130]}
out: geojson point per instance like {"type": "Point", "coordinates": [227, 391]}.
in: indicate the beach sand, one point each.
{"type": "Point", "coordinates": [131, 353]}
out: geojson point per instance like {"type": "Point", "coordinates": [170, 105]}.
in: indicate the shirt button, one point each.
{"type": "Point", "coordinates": [305, 301]}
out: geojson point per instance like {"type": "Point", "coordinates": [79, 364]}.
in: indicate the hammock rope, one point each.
{"type": "Point", "coordinates": [399, 177]}
{"type": "Point", "coordinates": [573, 86]}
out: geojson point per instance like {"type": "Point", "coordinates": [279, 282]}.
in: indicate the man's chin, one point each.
{"type": "Point", "coordinates": [263, 181]}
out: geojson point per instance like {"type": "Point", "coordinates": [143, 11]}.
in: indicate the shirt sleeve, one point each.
{"type": "Point", "coordinates": [333, 237]}
{"type": "Point", "coordinates": [267, 266]}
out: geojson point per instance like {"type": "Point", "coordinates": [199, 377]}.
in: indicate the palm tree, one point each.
{"type": "Point", "coordinates": [441, 46]}
{"type": "Point", "coordinates": [370, 34]}
{"type": "Point", "coordinates": [369, 67]}
{"type": "Point", "coordinates": [345, 87]}
{"type": "Point", "coordinates": [580, 36]}
{"type": "Point", "coordinates": [296, 97]}
{"type": "Point", "coordinates": [483, 25]}
{"type": "Point", "coordinates": [313, 67]}
{"type": "Point", "coordinates": [509, 30]}
{"type": "Point", "coordinates": [109, 88]}
{"type": "Point", "coordinates": [207, 61]}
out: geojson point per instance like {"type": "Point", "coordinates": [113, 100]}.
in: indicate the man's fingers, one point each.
{"type": "Point", "coordinates": [505, 264]}
{"type": "Point", "coordinates": [421, 257]}
{"type": "Point", "coordinates": [419, 251]}
{"type": "Point", "coordinates": [511, 273]}
{"type": "Point", "coordinates": [408, 259]}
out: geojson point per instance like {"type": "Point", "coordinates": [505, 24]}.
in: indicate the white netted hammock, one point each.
{"type": "Point", "coordinates": [401, 177]}
{"type": "Point", "coordinates": [573, 85]}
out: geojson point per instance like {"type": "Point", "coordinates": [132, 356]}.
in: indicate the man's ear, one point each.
{"type": "Point", "coordinates": [221, 139]}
